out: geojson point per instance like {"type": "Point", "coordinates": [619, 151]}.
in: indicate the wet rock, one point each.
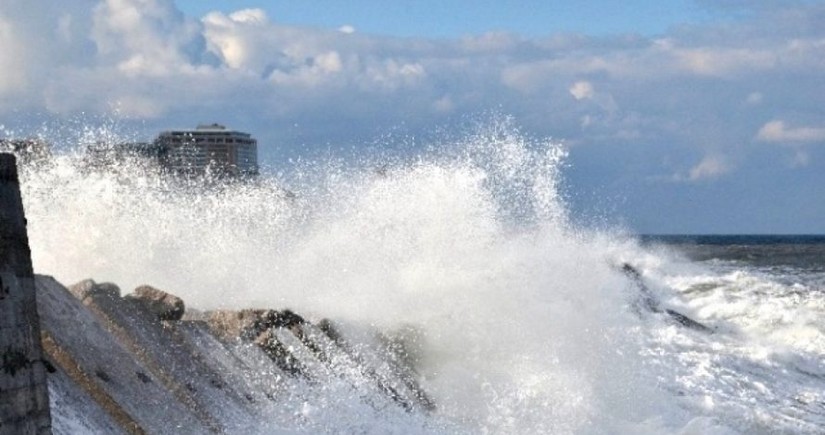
{"type": "Point", "coordinates": [163, 305]}
{"type": "Point", "coordinates": [289, 320]}
{"type": "Point", "coordinates": [687, 321]}
{"type": "Point", "coordinates": [230, 325]}
{"type": "Point", "coordinates": [278, 353]}
{"type": "Point", "coordinates": [248, 324]}
{"type": "Point", "coordinates": [327, 327]}
{"type": "Point", "coordinates": [88, 289]}
{"type": "Point", "coordinates": [649, 302]}
{"type": "Point", "coordinates": [646, 299]}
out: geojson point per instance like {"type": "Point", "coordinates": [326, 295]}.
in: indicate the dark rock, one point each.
{"type": "Point", "coordinates": [687, 321]}
{"type": "Point", "coordinates": [163, 305]}
{"type": "Point", "coordinates": [279, 354]}
{"type": "Point", "coordinates": [287, 319]}
{"type": "Point", "coordinates": [327, 327]}
{"type": "Point", "coordinates": [648, 301]}
{"type": "Point", "coordinates": [646, 298]}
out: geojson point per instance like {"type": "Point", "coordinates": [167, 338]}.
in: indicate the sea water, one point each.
{"type": "Point", "coordinates": [524, 321]}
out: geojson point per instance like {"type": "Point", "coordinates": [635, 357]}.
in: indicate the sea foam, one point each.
{"type": "Point", "coordinates": [523, 321]}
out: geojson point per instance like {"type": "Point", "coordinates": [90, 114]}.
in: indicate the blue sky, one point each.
{"type": "Point", "coordinates": [454, 18]}
{"type": "Point", "coordinates": [692, 116]}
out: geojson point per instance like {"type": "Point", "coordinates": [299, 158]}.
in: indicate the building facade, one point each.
{"type": "Point", "coordinates": [208, 149]}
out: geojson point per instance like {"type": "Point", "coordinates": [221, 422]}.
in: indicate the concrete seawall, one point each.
{"type": "Point", "coordinates": [88, 359]}
{"type": "Point", "coordinates": [24, 402]}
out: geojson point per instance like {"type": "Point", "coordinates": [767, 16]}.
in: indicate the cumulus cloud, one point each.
{"type": "Point", "coordinates": [582, 90]}
{"type": "Point", "coordinates": [629, 103]}
{"type": "Point", "coordinates": [709, 168]}
{"type": "Point", "coordinates": [778, 132]}
{"type": "Point", "coordinates": [30, 52]}
{"type": "Point", "coordinates": [146, 37]}
{"type": "Point", "coordinates": [701, 88]}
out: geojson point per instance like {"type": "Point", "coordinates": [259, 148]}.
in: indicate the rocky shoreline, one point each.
{"type": "Point", "coordinates": [87, 359]}
{"type": "Point", "coordinates": [144, 363]}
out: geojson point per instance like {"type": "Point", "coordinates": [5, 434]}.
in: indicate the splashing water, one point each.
{"type": "Point", "coordinates": [526, 326]}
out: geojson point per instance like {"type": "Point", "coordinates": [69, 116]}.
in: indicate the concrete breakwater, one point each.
{"type": "Point", "coordinates": [24, 402]}
{"type": "Point", "coordinates": [86, 359]}
{"type": "Point", "coordinates": [140, 363]}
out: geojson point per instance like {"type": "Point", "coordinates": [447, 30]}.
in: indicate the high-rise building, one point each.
{"type": "Point", "coordinates": [209, 148]}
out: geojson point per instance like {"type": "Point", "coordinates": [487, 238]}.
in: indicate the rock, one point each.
{"type": "Point", "coordinates": [327, 327]}
{"type": "Point", "coordinates": [648, 301]}
{"type": "Point", "coordinates": [248, 324]}
{"type": "Point", "coordinates": [279, 354]}
{"type": "Point", "coordinates": [687, 321]}
{"type": "Point", "coordinates": [163, 305]}
{"type": "Point", "coordinates": [289, 320]}
{"type": "Point", "coordinates": [243, 325]}
{"type": "Point", "coordinates": [89, 289]}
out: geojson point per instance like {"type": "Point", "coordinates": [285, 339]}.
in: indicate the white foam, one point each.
{"type": "Point", "coordinates": [526, 326]}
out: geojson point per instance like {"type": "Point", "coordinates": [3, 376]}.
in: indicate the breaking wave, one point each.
{"type": "Point", "coordinates": [525, 322]}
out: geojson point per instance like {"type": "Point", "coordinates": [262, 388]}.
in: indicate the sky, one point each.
{"type": "Point", "coordinates": [456, 18]}
{"type": "Point", "coordinates": [692, 116]}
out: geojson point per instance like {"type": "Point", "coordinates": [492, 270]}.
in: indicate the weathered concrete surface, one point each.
{"type": "Point", "coordinates": [24, 402]}
{"type": "Point", "coordinates": [103, 368]}
{"type": "Point", "coordinates": [119, 368]}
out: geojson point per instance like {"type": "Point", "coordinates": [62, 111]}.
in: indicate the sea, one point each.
{"type": "Point", "coordinates": [528, 322]}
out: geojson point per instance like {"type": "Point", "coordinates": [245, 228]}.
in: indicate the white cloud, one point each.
{"type": "Point", "coordinates": [582, 90]}
{"type": "Point", "coordinates": [149, 36]}
{"type": "Point", "coordinates": [35, 39]}
{"type": "Point", "coordinates": [633, 106]}
{"type": "Point", "coordinates": [250, 16]}
{"type": "Point", "coordinates": [709, 167]}
{"type": "Point", "coordinates": [776, 131]}
{"type": "Point", "coordinates": [346, 29]}
{"type": "Point", "coordinates": [713, 61]}
{"type": "Point", "coordinates": [152, 61]}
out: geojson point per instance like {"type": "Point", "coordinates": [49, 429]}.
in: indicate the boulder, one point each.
{"type": "Point", "coordinates": [248, 324]}
{"type": "Point", "coordinates": [236, 325]}
{"type": "Point", "coordinates": [279, 354]}
{"type": "Point", "coordinates": [87, 289]}
{"type": "Point", "coordinates": [163, 305]}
